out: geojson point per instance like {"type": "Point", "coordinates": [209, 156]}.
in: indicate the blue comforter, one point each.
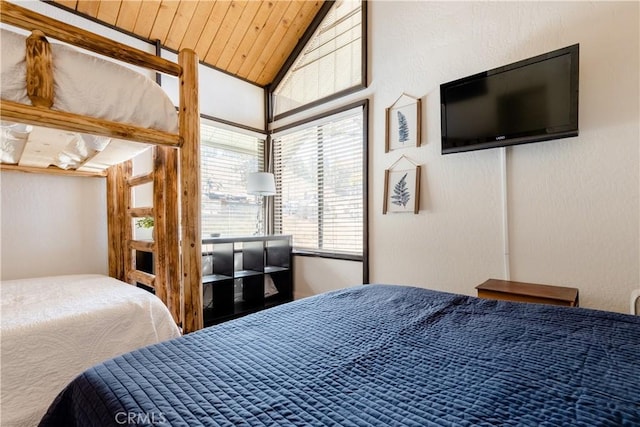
{"type": "Point", "coordinates": [375, 355]}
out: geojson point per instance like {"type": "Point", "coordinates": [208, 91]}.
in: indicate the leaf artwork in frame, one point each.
{"type": "Point", "coordinates": [401, 190]}
{"type": "Point", "coordinates": [403, 127]}
{"type": "Point", "coordinates": [401, 194]}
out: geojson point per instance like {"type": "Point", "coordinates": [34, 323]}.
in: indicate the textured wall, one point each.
{"type": "Point", "coordinates": [314, 275]}
{"type": "Point", "coordinates": [573, 204]}
{"type": "Point", "coordinates": [52, 225]}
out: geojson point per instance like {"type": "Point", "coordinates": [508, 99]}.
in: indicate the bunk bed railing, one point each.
{"type": "Point", "coordinates": [179, 203]}
{"type": "Point", "coordinates": [42, 116]}
{"type": "Point", "coordinates": [40, 80]}
{"type": "Point", "coordinates": [53, 170]}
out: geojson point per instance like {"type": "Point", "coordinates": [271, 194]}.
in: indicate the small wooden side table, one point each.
{"type": "Point", "coordinates": [528, 292]}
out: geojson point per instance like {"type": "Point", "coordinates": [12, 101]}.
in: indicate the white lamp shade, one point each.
{"type": "Point", "coordinates": [261, 184]}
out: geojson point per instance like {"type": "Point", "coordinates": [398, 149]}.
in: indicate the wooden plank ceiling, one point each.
{"type": "Point", "coordinates": [248, 39]}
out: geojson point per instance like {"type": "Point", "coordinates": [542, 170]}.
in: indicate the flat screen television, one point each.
{"type": "Point", "coordinates": [532, 100]}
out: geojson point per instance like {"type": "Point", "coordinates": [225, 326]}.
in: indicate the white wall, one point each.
{"type": "Point", "coordinates": [314, 275]}
{"type": "Point", "coordinates": [573, 203]}
{"type": "Point", "coordinates": [52, 225]}
{"type": "Point", "coordinates": [223, 96]}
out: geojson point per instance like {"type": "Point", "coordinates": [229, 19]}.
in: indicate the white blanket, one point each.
{"type": "Point", "coordinates": [54, 328]}
{"type": "Point", "coordinates": [83, 84]}
{"type": "Point", "coordinates": [88, 85]}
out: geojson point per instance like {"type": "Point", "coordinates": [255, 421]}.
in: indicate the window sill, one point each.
{"type": "Point", "coordinates": [344, 257]}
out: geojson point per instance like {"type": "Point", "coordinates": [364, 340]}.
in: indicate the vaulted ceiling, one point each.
{"type": "Point", "coordinates": [248, 39]}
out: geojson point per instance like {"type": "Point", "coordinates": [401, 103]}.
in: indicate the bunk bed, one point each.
{"type": "Point", "coordinates": [176, 194]}
{"type": "Point", "coordinates": [58, 118]}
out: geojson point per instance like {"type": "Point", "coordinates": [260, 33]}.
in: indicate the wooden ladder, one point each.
{"type": "Point", "coordinates": [165, 244]}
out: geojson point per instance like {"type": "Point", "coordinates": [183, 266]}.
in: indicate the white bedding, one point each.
{"type": "Point", "coordinates": [53, 328]}
{"type": "Point", "coordinates": [83, 84]}
{"type": "Point", "coordinates": [88, 85]}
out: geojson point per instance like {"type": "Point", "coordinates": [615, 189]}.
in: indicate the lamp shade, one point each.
{"type": "Point", "coordinates": [261, 184]}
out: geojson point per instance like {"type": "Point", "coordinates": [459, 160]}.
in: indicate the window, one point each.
{"type": "Point", "coordinates": [319, 169]}
{"type": "Point", "coordinates": [227, 157]}
{"type": "Point", "coordinates": [336, 50]}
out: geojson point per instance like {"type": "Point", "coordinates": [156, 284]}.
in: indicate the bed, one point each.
{"type": "Point", "coordinates": [68, 111]}
{"type": "Point", "coordinates": [53, 328]}
{"type": "Point", "coordinates": [85, 85]}
{"type": "Point", "coordinates": [385, 355]}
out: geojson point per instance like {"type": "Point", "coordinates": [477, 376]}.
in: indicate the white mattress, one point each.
{"type": "Point", "coordinates": [83, 84]}
{"type": "Point", "coordinates": [54, 328]}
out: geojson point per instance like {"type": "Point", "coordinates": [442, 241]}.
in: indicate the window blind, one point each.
{"type": "Point", "coordinates": [227, 157]}
{"type": "Point", "coordinates": [319, 175]}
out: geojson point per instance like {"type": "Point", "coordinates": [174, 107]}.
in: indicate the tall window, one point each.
{"type": "Point", "coordinates": [332, 61]}
{"type": "Point", "coordinates": [226, 158]}
{"type": "Point", "coordinates": [319, 175]}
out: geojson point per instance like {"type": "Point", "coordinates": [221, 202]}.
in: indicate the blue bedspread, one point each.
{"type": "Point", "coordinates": [376, 355]}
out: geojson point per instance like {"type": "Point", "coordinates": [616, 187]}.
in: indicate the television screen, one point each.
{"type": "Point", "coordinates": [531, 100]}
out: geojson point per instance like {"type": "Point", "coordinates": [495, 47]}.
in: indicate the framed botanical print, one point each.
{"type": "Point", "coordinates": [402, 190]}
{"type": "Point", "coordinates": [402, 121]}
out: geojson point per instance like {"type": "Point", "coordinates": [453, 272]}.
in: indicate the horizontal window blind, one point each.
{"type": "Point", "coordinates": [319, 175]}
{"type": "Point", "coordinates": [226, 158]}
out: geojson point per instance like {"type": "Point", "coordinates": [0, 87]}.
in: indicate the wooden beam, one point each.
{"type": "Point", "coordinates": [159, 224]}
{"type": "Point", "coordinates": [126, 231]}
{"type": "Point", "coordinates": [53, 170]}
{"type": "Point", "coordinates": [190, 192]}
{"type": "Point", "coordinates": [141, 212]}
{"type": "Point", "coordinates": [28, 114]}
{"type": "Point", "coordinates": [137, 276]}
{"type": "Point", "coordinates": [39, 70]}
{"type": "Point", "coordinates": [134, 181]}
{"type": "Point", "coordinates": [172, 234]}
{"type": "Point", "coordinates": [142, 245]}
{"type": "Point", "coordinates": [115, 221]}
{"type": "Point", "coordinates": [23, 18]}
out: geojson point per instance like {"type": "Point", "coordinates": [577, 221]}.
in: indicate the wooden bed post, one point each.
{"type": "Point", "coordinates": [160, 224]}
{"type": "Point", "coordinates": [167, 230]}
{"type": "Point", "coordinates": [172, 236]}
{"type": "Point", "coordinates": [126, 169]}
{"type": "Point", "coordinates": [190, 191]}
{"type": "Point", "coordinates": [116, 188]}
{"type": "Point", "coordinates": [39, 70]}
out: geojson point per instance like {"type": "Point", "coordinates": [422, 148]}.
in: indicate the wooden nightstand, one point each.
{"type": "Point", "coordinates": [528, 292]}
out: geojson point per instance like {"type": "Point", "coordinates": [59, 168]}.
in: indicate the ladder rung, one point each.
{"type": "Point", "coordinates": [140, 212]}
{"type": "Point", "coordinates": [142, 277]}
{"type": "Point", "coordinates": [140, 245]}
{"type": "Point", "coordinates": [140, 179]}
